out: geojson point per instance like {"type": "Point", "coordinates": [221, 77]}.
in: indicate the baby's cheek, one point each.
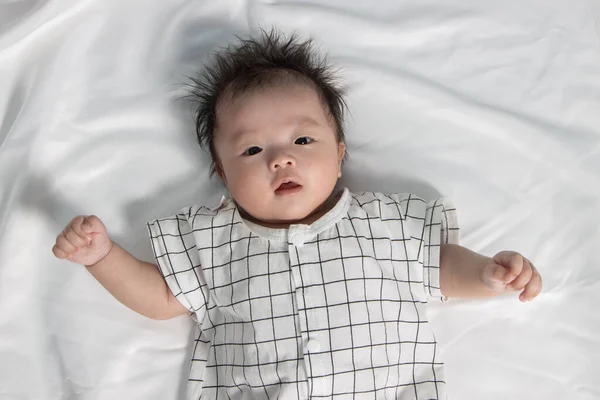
{"type": "Point", "coordinates": [249, 190]}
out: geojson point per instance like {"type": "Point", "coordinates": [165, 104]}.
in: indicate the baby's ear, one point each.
{"type": "Point", "coordinates": [220, 172]}
{"type": "Point", "coordinates": [341, 150]}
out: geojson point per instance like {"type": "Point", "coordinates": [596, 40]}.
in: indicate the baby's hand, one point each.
{"type": "Point", "coordinates": [509, 271]}
{"type": "Point", "coordinates": [84, 241]}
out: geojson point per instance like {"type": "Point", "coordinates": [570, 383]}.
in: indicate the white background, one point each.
{"type": "Point", "coordinates": [494, 104]}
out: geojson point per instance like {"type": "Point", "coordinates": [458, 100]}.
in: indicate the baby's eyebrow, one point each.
{"type": "Point", "coordinates": [305, 120]}
{"type": "Point", "coordinates": [298, 121]}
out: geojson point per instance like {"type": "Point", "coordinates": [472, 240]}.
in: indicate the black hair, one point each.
{"type": "Point", "coordinates": [255, 63]}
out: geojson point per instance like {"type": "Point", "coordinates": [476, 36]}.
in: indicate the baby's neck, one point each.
{"type": "Point", "coordinates": [312, 217]}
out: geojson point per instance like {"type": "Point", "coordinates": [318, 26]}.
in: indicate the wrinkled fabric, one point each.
{"type": "Point", "coordinates": [494, 104]}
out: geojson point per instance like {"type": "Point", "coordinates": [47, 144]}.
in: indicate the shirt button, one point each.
{"type": "Point", "coordinates": [297, 239]}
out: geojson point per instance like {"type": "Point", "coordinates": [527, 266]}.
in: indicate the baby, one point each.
{"type": "Point", "coordinates": [299, 290]}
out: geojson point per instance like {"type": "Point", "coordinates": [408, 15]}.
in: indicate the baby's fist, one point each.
{"type": "Point", "coordinates": [83, 241]}
{"type": "Point", "coordinates": [510, 271]}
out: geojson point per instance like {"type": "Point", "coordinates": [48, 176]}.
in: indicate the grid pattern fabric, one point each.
{"type": "Point", "coordinates": [331, 310]}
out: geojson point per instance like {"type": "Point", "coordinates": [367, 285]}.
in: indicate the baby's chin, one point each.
{"type": "Point", "coordinates": [282, 213]}
{"type": "Point", "coordinates": [283, 219]}
{"type": "Point", "coordinates": [277, 220]}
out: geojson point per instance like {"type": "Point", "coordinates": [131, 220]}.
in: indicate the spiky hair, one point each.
{"type": "Point", "coordinates": [271, 59]}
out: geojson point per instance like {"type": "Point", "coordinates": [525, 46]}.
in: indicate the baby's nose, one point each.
{"type": "Point", "coordinates": [282, 160]}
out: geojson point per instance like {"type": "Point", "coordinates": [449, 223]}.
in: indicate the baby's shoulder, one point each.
{"type": "Point", "coordinates": [388, 205]}
{"type": "Point", "coordinates": [201, 216]}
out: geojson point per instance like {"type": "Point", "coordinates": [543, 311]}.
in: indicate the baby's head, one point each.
{"type": "Point", "coordinates": [271, 115]}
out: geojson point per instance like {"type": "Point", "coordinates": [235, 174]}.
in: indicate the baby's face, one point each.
{"type": "Point", "coordinates": [278, 152]}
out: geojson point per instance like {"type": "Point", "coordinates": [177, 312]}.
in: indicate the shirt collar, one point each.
{"type": "Point", "coordinates": [299, 231]}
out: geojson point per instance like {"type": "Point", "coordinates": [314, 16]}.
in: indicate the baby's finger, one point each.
{"type": "Point", "coordinates": [533, 288]}
{"type": "Point", "coordinates": [496, 277]}
{"type": "Point", "coordinates": [501, 274]}
{"type": "Point", "coordinates": [524, 278]}
{"type": "Point", "coordinates": [58, 253]}
{"type": "Point", "coordinates": [64, 245]}
{"type": "Point", "coordinates": [91, 223]}
{"type": "Point", "coordinates": [510, 260]}
{"type": "Point", "coordinates": [74, 238]}
{"type": "Point", "coordinates": [77, 226]}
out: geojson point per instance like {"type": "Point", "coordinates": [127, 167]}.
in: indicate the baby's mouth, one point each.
{"type": "Point", "coordinates": [287, 187]}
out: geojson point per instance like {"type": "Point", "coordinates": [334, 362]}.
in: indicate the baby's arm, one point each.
{"type": "Point", "coordinates": [467, 274]}
{"type": "Point", "coordinates": [135, 283]}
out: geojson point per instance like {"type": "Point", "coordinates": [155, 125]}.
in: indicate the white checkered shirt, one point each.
{"type": "Point", "coordinates": [334, 309]}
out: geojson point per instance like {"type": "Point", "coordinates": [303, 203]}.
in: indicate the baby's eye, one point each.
{"type": "Point", "coordinates": [252, 151]}
{"type": "Point", "coordinates": [303, 140]}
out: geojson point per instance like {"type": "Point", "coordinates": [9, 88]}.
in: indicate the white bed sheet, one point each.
{"type": "Point", "coordinates": [495, 104]}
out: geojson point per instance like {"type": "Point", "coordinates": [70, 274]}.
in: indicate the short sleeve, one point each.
{"type": "Point", "coordinates": [177, 257]}
{"type": "Point", "coordinates": [440, 227]}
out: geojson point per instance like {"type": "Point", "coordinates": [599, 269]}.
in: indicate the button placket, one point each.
{"type": "Point", "coordinates": [299, 305]}
{"type": "Point", "coordinates": [297, 234]}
